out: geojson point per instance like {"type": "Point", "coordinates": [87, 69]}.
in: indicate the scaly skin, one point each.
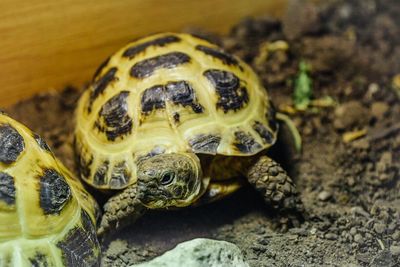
{"type": "Point", "coordinates": [272, 181]}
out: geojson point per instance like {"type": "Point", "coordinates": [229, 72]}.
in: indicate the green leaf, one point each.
{"type": "Point", "coordinates": [302, 87]}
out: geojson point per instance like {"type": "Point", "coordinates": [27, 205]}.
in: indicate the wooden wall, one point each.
{"type": "Point", "coordinates": [47, 44]}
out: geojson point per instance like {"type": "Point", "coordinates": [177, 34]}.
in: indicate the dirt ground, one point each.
{"type": "Point", "coordinates": [350, 189]}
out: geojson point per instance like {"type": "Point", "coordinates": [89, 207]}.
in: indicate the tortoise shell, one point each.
{"type": "Point", "coordinates": [46, 216]}
{"type": "Point", "coordinates": [168, 93]}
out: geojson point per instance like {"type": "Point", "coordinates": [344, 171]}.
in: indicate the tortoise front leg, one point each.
{"type": "Point", "coordinates": [120, 210]}
{"type": "Point", "coordinates": [278, 190]}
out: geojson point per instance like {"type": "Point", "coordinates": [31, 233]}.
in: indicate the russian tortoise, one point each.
{"type": "Point", "coordinates": [171, 120]}
{"type": "Point", "coordinates": [46, 216]}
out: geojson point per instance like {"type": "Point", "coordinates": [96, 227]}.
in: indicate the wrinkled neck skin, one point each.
{"type": "Point", "coordinates": [170, 180]}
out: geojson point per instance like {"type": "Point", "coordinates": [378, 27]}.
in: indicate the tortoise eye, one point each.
{"type": "Point", "coordinates": [167, 178]}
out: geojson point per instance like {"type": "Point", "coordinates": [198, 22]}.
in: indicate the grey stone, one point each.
{"type": "Point", "coordinates": [379, 228]}
{"type": "Point", "coordinates": [359, 211]}
{"type": "Point", "coordinates": [396, 235]}
{"type": "Point", "coordinates": [353, 231]}
{"type": "Point", "coordinates": [324, 195]}
{"type": "Point", "coordinates": [199, 252]}
{"type": "Point", "coordinates": [359, 239]}
{"type": "Point", "coordinates": [395, 250]}
{"type": "Point", "coordinates": [331, 236]}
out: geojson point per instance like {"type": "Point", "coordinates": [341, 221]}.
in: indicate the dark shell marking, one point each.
{"type": "Point", "coordinates": [54, 192]}
{"type": "Point", "coordinates": [264, 133]}
{"type": "Point", "coordinates": [219, 54]}
{"type": "Point", "coordinates": [153, 98]}
{"type": "Point", "coordinates": [84, 165]}
{"type": "Point", "coordinates": [205, 143]}
{"type": "Point", "coordinates": [179, 93]}
{"type": "Point", "coordinates": [113, 117]}
{"type": "Point", "coordinates": [7, 188]}
{"type": "Point", "coordinates": [11, 144]}
{"type": "Point", "coordinates": [157, 150]}
{"type": "Point", "coordinates": [245, 143]}
{"type": "Point", "coordinates": [176, 117]}
{"type": "Point", "coordinates": [148, 66]}
{"type": "Point", "coordinates": [101, 67]}
{"type": "Point", "coordinates": [42, 144]}
{"type": "Point", "coordinates": [39, 260]}
{"type": "Point", "coordinates": [232, 95]}
{"type": "Point", "coordinates": [80, 247]}
{"type": "Point", "coordinates": [6, 260]}
{"type": "Point", "coordinates": [101, 84]}
{"type": "Point", "coordinates": [271, 117]}
{"type": "Point", "coordinates": [182, 93]}
{"type": "Point", "coordinates": [120, 175]}
{"type": "Point", "coordinates": [101, 173]}
{"type": "Point", "coordinates": [160, 42]}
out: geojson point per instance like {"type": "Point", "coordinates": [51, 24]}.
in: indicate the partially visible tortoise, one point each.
{"type": "Point", "coordinates": [46, 216]}
{"type": "Point", "coordinates": [171, 120]}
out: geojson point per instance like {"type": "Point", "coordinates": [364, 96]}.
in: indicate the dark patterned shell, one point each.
{"type": "Point", "coordinates": [46, 216]}
{"type": "Point", "coordinates": [169, 93]}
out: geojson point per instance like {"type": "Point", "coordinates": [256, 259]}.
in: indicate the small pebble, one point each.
{"type": "Point", "coordinates": [258, 249]}
{"type": "Point", "coordinates": [263, 241]}
{"type": "Point", "coordinates": [359, 211]}
{"type": "Point", "coordinates": [353, 231]}
{"type": "Point", "coordinates": [351, 181]}
{"type": "Point", "coordinates": [260, 231]}
{"type": "Point", "coordinates": [348, 114]}
{"type": "Point", "coordinates": [363, 257]}
{"type": "Point", "coordinates": [373, 88]}
{"type": "Point", "coordinates": [331, 236]}
{"type": "Point", "coordinates": [349, 238]}
{"type": "Point", "coordinates": [368, 236]}
{"type": "Point", "coordinates": [395, 250]}
{"type": "Point", "coordinates": [324, 195]}
{"type": "Point", "coordinates": [313, 231]}
{"type": "Point", "coordinates": [359, 239]}
{"type": "Point", "coordinates": [379, 109]}
{"type": "Point", "coordinates": [384, 162]}
{"type": "Point", "coordinates": [396, 235]}
{"type": "Point", "coordinates": [391, 227]}
{"type": "Point", "coordinates": [379, 228]}
{"type": "Point", "coordinates": [361, 143]}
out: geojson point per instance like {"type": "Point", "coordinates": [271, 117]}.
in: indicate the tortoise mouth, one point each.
{"type": "Point", "coordinates": [157, 197]}
{"type": "Point", "coordinates": [152, 196]}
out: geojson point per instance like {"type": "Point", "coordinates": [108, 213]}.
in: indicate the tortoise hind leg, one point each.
{"type": "Point", "coordinates": [278, 190]}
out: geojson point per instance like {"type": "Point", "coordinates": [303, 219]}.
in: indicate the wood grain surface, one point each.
{"type": "Point", "coordinates": [47, 44]}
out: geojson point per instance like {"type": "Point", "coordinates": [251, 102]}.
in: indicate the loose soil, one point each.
{"type": "Point", "coordinates": [351, 190]}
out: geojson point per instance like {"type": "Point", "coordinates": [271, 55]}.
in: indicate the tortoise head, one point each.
{"type": "Point", "coordinates": [169, 180]}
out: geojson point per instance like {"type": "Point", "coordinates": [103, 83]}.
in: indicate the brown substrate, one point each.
{"type": "Point", "coordinates": [351, 191]}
